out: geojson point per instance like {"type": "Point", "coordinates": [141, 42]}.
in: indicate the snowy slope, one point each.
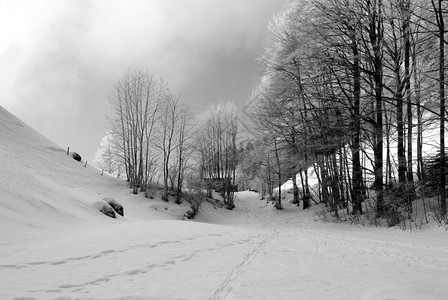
{"type": "Point", "coordinates": [42, 187]}
{"type": "Point", "coordinates": [55, 245]}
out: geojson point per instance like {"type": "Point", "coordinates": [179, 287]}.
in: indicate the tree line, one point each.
{"type": "Point", "coordinates": [348, 90]}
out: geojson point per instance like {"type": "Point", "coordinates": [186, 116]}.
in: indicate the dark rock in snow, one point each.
{"type": "Point", "coordinates": [76, 156]}
{"type": "Point", "coordinates": [115, 205]}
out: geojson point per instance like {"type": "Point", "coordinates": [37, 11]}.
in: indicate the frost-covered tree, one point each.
{"type": "Point", "coordinates": [108, 156]}
{"type": "Point", "coordinates": [346, 80]}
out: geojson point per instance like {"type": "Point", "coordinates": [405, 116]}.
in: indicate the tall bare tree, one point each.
{"type": "Point", "coordinates": [135, 105]}
{"type": "Point", "coordinates": [216, 142]}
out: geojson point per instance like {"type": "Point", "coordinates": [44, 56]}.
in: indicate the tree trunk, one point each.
{"type": "Point", "coordinates": [410, 191]}
{"type": "Point", "coordinates": [420, 173]}
{"type": "Point", "coordinates": [441, 27]}
{"type": "Point", "coordinates": [388, 154]}
{"type": "Point", "coordinates": [376, 40]}
{"type": "Point", "coordinates": [279, 169]}
{"type": "Point", "coordinates": [295, 188]}
{"type": "Point", "coordinates": [400, 122]}
{"type": "Point", "coordinates": [356, 130]}
{"type": "Point", "coordinates": [319, 181]}
{"type": "Point", "coordinates": [407, 77]}
{"type": "Point", "coordinates": [324, 181]}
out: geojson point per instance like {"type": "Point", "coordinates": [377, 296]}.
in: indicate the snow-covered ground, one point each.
{"type": "Point", "coordinates": [54, 244]}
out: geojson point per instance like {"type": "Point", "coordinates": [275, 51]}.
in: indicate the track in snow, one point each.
{"type": "Point", "coordinates": [238, 273]}
{"type": "Point", "coordinates": [259, 253]}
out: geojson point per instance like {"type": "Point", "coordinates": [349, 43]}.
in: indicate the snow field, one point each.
{"type": "Point", "coordinates": [55, 245]}
{"type": "Point", "coordinates": [266, 255]}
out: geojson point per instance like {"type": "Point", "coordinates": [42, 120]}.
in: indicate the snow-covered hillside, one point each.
{"type": "Point", "coordinates": [54, 244]}
{"type": "Point", "coordinates": [42, 187]}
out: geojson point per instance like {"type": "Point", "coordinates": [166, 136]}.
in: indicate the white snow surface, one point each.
{"type": "Point", "coordinates": [54, 244]}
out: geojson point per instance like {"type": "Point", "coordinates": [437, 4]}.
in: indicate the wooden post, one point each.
{"type": "Point", "coordinates": [68, 150]}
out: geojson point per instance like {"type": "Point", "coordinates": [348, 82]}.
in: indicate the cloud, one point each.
{"type": "Point", "coordinates": [60, 59]}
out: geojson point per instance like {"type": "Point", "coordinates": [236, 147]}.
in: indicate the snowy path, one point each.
{"type": "Point", "coordinates": [309, 260]}
{"type": "Point", "coordinates": [256, 253]}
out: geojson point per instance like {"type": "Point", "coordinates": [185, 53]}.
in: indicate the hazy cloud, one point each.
{"type": "Point", "coordinates": [60, 59]}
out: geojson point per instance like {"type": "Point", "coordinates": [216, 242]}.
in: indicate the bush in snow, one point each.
{"type": "Point", "coordinates": [431, 170]}
{"type": "Point", "coordinates": [192, 212]}
{"type": "Point", "coordinates": [398, 203]}
{"type": "Point", "coordinates": [118, 208]}
{"type": "Point", "coordinates": [195, 198]}
{"type": "Point", "coordinates": [105, 209]}
{"type": "Point", "coordinates": [76, 156]}
{"type": "Point", "coordinates": [108, 211]}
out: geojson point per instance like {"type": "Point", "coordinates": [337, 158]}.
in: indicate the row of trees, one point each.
{"type": "Point", "coordinates": [216, 142]}
{"type": "Point", "coordinates": [152, 143]}
{"type": "Point", "coordinates": [350, 84]}
{"type": "Point", "coordinates": [149, 136]}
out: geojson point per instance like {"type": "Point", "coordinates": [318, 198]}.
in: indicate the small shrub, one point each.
{"type": "Point", "coordinates": [192, 212]}
{"type": "Point", "coordinates": [108, 211]}
{"type": "Point", "coordinates": [105, 209]}
{"type": "Point", "coordinates": [398, 203]}
{"type": "Point", "coordinates": [431, 169]}
{"type": "Point", "coordinates": [195, 198]}
{"type": "Point", "coordinates": [442, 221]}
{"type": "Point", "coordinates": [393, 216]}
{"type": "Point", "coordinates": [322, 215]}
{"type": "Point", "coordinates": [117, 207]}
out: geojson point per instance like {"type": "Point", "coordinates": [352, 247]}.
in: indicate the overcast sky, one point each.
{"type": "Point", "coordinates": [59, 59]}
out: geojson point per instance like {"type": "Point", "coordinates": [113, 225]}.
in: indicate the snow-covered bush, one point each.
{"type": "Point", "coordinates": [117, 207]}
{"type": "Point", "coordinates": [398, 203]}
{"type": "Point", "coordinates": [104, 208]}
{"type": "Point", "coordinates": [195, 198]}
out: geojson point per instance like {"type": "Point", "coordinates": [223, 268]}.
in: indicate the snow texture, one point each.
{"type": "Point", "coordinates": [56, 245]}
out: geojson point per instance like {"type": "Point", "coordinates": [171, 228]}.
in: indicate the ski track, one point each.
{"type": "Point", "coordinates": [101, 254]}
{"type": "Point", "coordinates": [238, 273]}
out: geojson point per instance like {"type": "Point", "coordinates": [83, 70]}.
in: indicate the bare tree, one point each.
{"type": "Point", "coordinates": [216, 143]}
{"type": "Point", "coordinates": [170, 125]}
{"type": "Point", "coordinates": [135, 103]}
